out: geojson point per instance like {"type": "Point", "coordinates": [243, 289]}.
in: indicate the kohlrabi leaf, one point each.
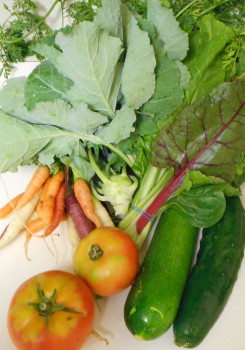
{"type": "Point", "coordinates": [168, 93]}
{"type": "Point", "coordinates": [120, 127]}
{"type": "Point", "coordinates": [206, 136]}
{"type": "Point", "coordinates": [89, 58]}
{"type": "Point", "coordinates": [45, 83]}
{"type": "Point", "coordinates": [81, 167]}
{"type": "Point", "coordinates": [20, 142]}
{"type": "Point", "coordinates": [174, 38]}
{"type": "Point", "coordinates": [204, 61]}
{"type": "Point", "coordinates": [203, 206]}
{"type": "Point", "coordinates": [138, 78]}
{"type": "Point", "coordinates": [119, 21]}
{"type": "Point", "coordinates": [109, 17]}
{"type": "Point", "coordinates": [57, 112]}
{"type": "Point", "coordinates": [12, 99]}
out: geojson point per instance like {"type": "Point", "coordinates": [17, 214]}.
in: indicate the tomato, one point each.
{"type": "Point", "coordinates": [52, 310]}
{"type": "Point", "coordinates": [107, 260]}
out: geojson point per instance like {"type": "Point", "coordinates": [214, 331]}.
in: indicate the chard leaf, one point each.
{"type": "Point", "coordinates": [203, 206]}
{"type": "Point", "coordinates": [20, 142]}
{"type": "Point", "coordinates": [175, 39]}
{"type": "Point", "coordinates": [45, 83]}
{"type": "Point", "coordinates": [120, 127]}
{"type": "Point", "coordinates": [204, 61]}
{"type": "Point", "coordinates": [89, 58]}
{"type": "Point", "coordinates": [207, 135]}
{"type": "Point", "coordinates": [138, 78]}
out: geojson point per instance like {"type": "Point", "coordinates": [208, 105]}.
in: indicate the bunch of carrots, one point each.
{"type": "Point", "coordinates": [49, 199]}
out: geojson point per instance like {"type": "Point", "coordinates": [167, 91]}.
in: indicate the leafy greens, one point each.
{"type": "Point", "coordinates": [125, 91]}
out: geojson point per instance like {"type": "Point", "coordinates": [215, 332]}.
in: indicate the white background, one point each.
{"type": "Point", "coordinates": [227, 333]}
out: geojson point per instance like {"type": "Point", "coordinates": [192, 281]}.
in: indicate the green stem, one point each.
{"type": "Point", "coordinates": [120, 154]}
{"type": "Point", "coordinates": [35, 28]}
{"type": "Point", "coordinates": [100, 174]}
{"type": "Point", "coordinates": [212, 8]}
{"type": "Point", "coordinates": [185, 8]}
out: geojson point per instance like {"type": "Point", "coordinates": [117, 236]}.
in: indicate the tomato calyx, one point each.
{"type": "Point", "coordinates": [47, 306]}
{"type": "Point", "coordinates": [95, 252]}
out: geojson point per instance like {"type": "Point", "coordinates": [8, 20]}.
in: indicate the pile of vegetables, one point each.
{"type": "Point", "coordinates": [138, 111]}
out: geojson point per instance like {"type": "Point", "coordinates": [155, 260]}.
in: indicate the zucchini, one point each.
{"type": "Point", "coordinates": [213, 276]}
{"type": "Point", "coordinates": [154, 297]}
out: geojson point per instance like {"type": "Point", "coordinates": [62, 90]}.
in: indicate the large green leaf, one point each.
{"type": "Point", "coordinates": [175, 39]}
{"type": "Point", "coordinates": [57, 112]}
{"type": "Point", "coordinates": [137, 88]}
{"type": "Point", "coordinates": [204, 60]}
{"type": "Point", "coordinates": [203, 206]}
{"type": "Point", "coordinates": [12, 99]}
{"type": "Point", "coordinates": [207, 135]}
{"type": "Point", "coordinates": [20, 142]}
{"type": "Point", "coordinates": [138, 78]}
{"type": "Point", "coordinates": [168, 93]}
{"type": "Point", "coordinates": [89, 57]}
{"type": "Point", "coordinates": [120, 127]}
{"type": "Point", "coordinates": [109, 17]}
{"type": "Point", "coordinates": [45, 83]}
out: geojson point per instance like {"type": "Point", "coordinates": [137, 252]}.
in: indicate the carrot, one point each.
{"type": "Point", "coordinates": [10, 206]}
{"type": "Point", "coordinates": [33, 227]}
{"type": "Point", "coordinates": [48, 210]}
{"type": "Point", "coordinates": [55, 183]}
{"type": "Point", "coordinates": [19, 220]}
{"type": "Point", "coordinates": [51, 193]}
{"type": "Point", "coordinates": [42, 197]}
{"type": "Point", "coordinates": [72, 233]}
{"type": "Point", "coordinates": [84, 198]}
{"type": "Point", "coordinates": [103, 214]}
{"type": "Point", "coordinates": [39, 178]}
{"type": "Point", "coordinates": [59, 209]}
{"type": "Point", "coordinates": [83, 225]}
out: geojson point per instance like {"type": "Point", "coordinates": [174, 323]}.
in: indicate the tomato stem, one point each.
{"type": "Point", "coordinates": [47, 306]}
{"type": "Point", "coordinates": [95, 252]}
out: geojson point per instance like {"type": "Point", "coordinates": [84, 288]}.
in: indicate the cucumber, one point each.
{"type": "Point", "coordinates": [213, 276]}
{"type": "Point", "coordinates": [154, 297]}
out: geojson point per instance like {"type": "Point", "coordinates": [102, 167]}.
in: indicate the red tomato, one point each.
{"type": "Point", "coordinates": [65, 329]}
{"type": "Point", "coordinates": [107, 260]}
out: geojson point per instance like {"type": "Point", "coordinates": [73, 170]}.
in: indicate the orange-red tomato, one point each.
{"type": "Point", "coordinates": [107, 260]}
{"type": "Point", "coordinates": [66, 327]}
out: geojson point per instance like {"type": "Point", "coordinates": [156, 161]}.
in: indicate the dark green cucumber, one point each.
{"type": "Point", "coordinates": [154, 298]}
{"type": "Point", "coordinates": [213, 276]}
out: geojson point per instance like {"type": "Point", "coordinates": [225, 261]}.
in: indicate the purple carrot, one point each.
{"type": "Point", "coordinates": [83, 225]}
{"type": "Point", "coordinates": [81, 222]}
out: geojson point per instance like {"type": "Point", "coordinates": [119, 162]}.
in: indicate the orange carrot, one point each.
{"type": "Point", "coordinates": [42, 197]}
{"type": "Point", "coordinates": [51, 193]}
{"type": "Point", "coordinates": [55, 183]}
{"type": "Point", "coordinates": [84, 198]}
{"type": "Point", "coordinates": [39, 178]}
{"type": "Point", "coordinates": [10, 206]}
{"type": "Point", "coordinates": [48, 210]}
{"type": "Point", "coordinates": [59, 209]}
